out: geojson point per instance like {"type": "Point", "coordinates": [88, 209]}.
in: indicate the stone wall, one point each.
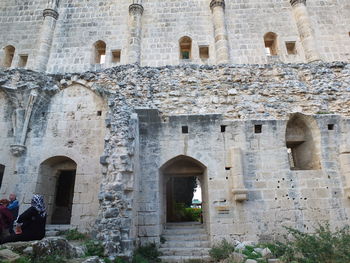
{"type": "Point", "coordinates": [164, 22]}
{"type": "Point", "coordinates": [138, 142]}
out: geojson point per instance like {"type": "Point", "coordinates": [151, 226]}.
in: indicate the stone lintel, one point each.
{"type": "Point", "coordinates": [135, 9]}
{"type": "Point", "coordinates": [240, 195]}
{"type": "Point", "coordinates": [215, 3]}
{"type": "Point", "coordinates": [50, 12]}
{"type": "Point", "coordinates": [295, 2]}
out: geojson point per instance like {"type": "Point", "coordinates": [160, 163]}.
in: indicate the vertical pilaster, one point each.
{"type": "Point", "coordinates": [135, 28]}
{"type": "Point", "coordinates": [50, 15]}
{"type": "Point", "coordinates": [220, 33]}
{"type": "Point", "coordinates": [302, 19]}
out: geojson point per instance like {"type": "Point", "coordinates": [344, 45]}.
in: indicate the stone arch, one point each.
{"type": "Point", "coordinates": [271, 45]}
{"type": "Point", "coordinates": [99, 52]}
{"type": "Point", "coordinates": [9, 53]}
{"type": "Point", "coordinates": [179, 173]}
{"type": "Point", "coordinates": [56, 182]}
{"type": "Point", "coordinates": [303, 142]}
{"type": "Point", "coordinates": [185, 47]}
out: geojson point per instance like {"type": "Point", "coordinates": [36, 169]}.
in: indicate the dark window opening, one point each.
{"type": "Point", "coordinates": [99, 113]}
{"type": "Point", "coordinates": [330, 127]}
{"type": "Point", "coordinates": [223, 128]}
{"type": "Point", "coordinates": [185, 129]}
{"type": "Point", "coordinates": [64, 197]}
{"type": "Point", "coordinates": [258, 128]}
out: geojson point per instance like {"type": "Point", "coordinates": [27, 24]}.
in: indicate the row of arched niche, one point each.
{"type": "Point", "coordinates": [185, 51]}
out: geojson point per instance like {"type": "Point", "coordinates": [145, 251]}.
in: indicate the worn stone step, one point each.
{"type": "Point", "coordinates": [193, 237]}
{"type": "Point", "coordinates": [183, 231]}
{"type": "Point", "coordinates": [185, 259]}
{"type": "Point", "coordinates": [187, 251]}
{"type": "Point", "coordinates": [51, 233]}
{"type": "Point", "coordinates": [58, 227]}
{"type": "Point", "coordinates": [183, 225]}
{"type": "Point", "coordinates": [181, 243]}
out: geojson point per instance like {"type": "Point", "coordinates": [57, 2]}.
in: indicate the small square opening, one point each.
{"type": "Point", "coordinates": [291, 48]}
{"type": "Point", "coordinates": [331, 127]}
{"type": "Point", "coordinates": [204, 53]}
{"type": "Point", "coordinates": [223, 128]}
{"type": "Point", "coordinates": [99, 113]}
{"type": "Point", "coordinates": [258, 128]}
{"type": "Point", "coordinates": [185, 129]}
{"type": "Point", "coordinates": [23, 59]}
{"type": "Point", "coordinates": [116, 56]}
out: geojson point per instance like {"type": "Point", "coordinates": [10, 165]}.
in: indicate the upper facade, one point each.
{"type": "Point", "coordinates": [60, 36]}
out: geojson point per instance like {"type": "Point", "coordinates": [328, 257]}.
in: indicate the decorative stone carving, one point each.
{"type": "Point", "coordinates": [135, 9]}
{"type": "Point", "coordinates": [215, 3]}
{"type": "Point", "coordinates": [50, 12]}
{"type": "Point", "coordinates": [295, 2]}
{"type": "Point", "coordinates": [17, 149]}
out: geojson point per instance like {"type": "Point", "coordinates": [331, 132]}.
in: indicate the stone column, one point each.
{"type": "Point", "coordinates": [220, 33]}
{"type": "Point", "coordinates": [302, 19]}
{"type": "Point", "coordinates": [46, 35]}
{"type": "Point", "coordinates": [135, 28]}
{"type": "Point", "coordinates": [239, 191]}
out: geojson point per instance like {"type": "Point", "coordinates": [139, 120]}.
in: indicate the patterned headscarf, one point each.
{"type": "Point", "coordinates": [38, 204]}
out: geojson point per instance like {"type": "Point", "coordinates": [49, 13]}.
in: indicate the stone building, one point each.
{"type": "Point", "coordinates": [111, 108]}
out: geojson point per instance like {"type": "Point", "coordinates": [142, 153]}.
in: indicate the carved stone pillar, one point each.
{"type": "Point", "coordinates": [237, 173]}
{"type": "Point", "coordinates": [135, 28]}
{"type": "Point", "coordinates": [50, 15]}
{"type": "Point", "coordinates": [220, 33]}
{"type": "Point", "coordinates": [302, 19]}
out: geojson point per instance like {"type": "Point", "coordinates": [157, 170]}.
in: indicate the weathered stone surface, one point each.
{"type": "Point", "coordinates": [8, 255]}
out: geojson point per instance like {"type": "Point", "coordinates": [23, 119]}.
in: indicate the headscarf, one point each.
{"type": "Point", "coordinates": [38, 204]}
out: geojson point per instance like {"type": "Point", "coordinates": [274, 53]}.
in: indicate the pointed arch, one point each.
{"type": "Point", "coordinates": [9, 53]}
{"type": "Point", "coordinates": [271, 46]}
{"type": "Point", "coordinates": [56, 182]}
{"type": "Point", "coordinates": [303, 142]}
{"type": "Point", "coordinates": [185, 45]}
{"type": "Point", "coordinates": [99, 52]}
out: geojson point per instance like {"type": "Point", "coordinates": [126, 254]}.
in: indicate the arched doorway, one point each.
{"type": "Point", "coordinates": [303, 143]}
{"type": "Point", "coordinates": [56, 183]}
{"type": "Point", "coordinates": [182, 178]}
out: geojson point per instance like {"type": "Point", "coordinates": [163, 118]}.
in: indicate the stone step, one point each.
{"type": "Point", "coordinates": [185, 259]}
{"type": "Point", "coordinates": [189, 243]}
{"type": "Point", "coordinates": [51, 233]}
{"type": "Point", "coordinates": [184, 225]}
{"type": "Point", "coordinates": [58, 227]}
{"type": "Point", "coordinates": [184, 231]}
{"type": "Point", "coordinates": [193, 237]}
{"type": "Point", "coordinates": [187, 251]}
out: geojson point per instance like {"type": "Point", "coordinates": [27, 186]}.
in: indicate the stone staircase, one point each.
{"type": "Point", "coordinates": [185, 242]}
{"type": "Point", "coordinates": [54, 230]}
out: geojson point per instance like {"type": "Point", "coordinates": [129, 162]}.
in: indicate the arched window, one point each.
{"type": "Point", "coordinates": [9, 52]}
{"type": "Point", "coordinates": [270, 40]}
{"type": "Point", "coordinates": [99, 52]}
{"type": "Point", "coordinates": [185, 44]}
{"type": "Point", "coordinates": [302, 141]}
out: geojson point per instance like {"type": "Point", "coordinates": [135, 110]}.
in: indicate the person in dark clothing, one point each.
{"type": "Point", "coordinates": [32, 223]}
{"type": "Point", "coordinates": [6, 218]}
{"type": "Point", "coordinates": [13, 207]}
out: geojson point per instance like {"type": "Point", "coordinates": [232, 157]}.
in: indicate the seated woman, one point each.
{"type": "Point", "coordinates": [6, 218]}
{"type": "Point", "coordinates": [31, 223]}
